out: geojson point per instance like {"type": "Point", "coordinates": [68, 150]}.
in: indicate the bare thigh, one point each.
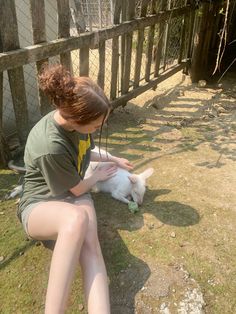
{"type": "Point", "coordinates": [47, 218]}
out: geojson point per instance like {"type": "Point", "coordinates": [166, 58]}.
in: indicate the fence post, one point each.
{"type": "Point", "coordinates": [115, 51]}
{"type": "Point", "coordinates": [101, 71]}
{"type": "Point", "coordinates": [191, 21]}
{"type": "Point", "coordinates": [81, 28]}
{"type": "Point", "coordinates": [128, 48]}
{"type": "Point", "coordinates": [150, 45]}
{"type": "Point", "coordinates": [210, 28]}
{"type": "Point", "coordinates": [37, 8]}
{"type": "Point", "coordinates": [4, 148]}
{"type": "Point", "coordinates": [198, 59]}
{"type": "Point", "coordinates": [139, 47]}
{"type": "Point", "coordinates": [78, 17]}
{"type": "Point", "coordinates": [158, 48]}
{"type": "Point", "coordinates": [100, 13]}
{"type": "Point", "coordinates": [123, 40]}
{"type": "Point", "coordinates": [10, 41]}
{"type": "Point", "coordinates": [64, 29]}
{"type": "Point", "coordinates": [84, 61]}
{"type": "Point", "coordinates": [182, 37]}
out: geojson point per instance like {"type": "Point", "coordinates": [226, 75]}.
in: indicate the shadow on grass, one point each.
{"type": "Point", "coordinates": [17, 253]}
{"type": "Point", "coordinates": [171, 212]}
{"type": "Point", "coordinates": [128, 273]}
{"type": "Point", "coordinates": [152, 127]}
{"type": "Point", "coordinates": [8, 181]}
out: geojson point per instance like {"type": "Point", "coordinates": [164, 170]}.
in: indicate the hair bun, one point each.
{"type": "Point", "coordinates": [57, 83]}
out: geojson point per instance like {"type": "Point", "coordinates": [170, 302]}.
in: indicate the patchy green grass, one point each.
{"type": "Point", "coordinates": [187, 223]}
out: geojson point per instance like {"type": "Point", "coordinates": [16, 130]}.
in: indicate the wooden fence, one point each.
{"type": "Point", "coordinates": [152, 22]}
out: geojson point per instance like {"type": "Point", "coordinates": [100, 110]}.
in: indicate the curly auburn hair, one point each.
{"type": "Point", "coordinates": [78, 98]}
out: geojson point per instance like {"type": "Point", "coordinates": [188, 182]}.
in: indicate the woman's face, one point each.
{"type": "Point", "coordinates": [89, 128]}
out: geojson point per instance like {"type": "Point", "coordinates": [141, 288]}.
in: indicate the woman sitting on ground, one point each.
{"type": "Point", "coordinates": [55, 204]}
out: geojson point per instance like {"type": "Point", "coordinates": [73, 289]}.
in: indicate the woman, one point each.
{"type": "Point", "coordinates": [55, 204]}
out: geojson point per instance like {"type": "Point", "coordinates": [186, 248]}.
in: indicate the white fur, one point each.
{"type": "Point", "coordinates": [16, 191]}
{"type": "Point", "coordinates": [124, 185]}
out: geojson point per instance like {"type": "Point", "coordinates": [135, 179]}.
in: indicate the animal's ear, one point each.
{"type": "Point", "coordinates": [146, 173]}
{"type": "Point", "coordinates": [133, 178]}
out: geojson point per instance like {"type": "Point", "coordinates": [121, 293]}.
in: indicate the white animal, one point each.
{"type": "Point", "coordinates": [123, 185]}
{"type": "Point", "coordinates": [16, 191]}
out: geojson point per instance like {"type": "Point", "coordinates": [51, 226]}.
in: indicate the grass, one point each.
{"type": "Point", "coordinates": [187, 222]}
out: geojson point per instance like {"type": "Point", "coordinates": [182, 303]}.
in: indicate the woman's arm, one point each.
{"type": "Point", "coordinates": [102, 156]}
{"type": "Point", "coordinates": [105, 156]}
{"type": "Point", "coordinates": [100, 174]}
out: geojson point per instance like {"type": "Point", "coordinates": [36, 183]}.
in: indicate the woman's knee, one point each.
{"type": "Point", "coordinates": [75, 222]}
{"type": "Point", "coordinates": [91, 243]}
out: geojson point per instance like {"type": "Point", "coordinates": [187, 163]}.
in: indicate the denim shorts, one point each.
{"type": "Point", "coordinates": [27, 211]}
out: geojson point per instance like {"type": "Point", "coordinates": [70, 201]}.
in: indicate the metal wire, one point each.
{"type": "Point", "coordinates": [97, 14]}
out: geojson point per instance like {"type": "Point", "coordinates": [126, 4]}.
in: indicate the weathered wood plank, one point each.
{"type": "Point", "coordinates": [78, 17]}
{"type": "Point", "coordinates": [128, 49]}
{"type": "Point", "coordinates": [5, 153]}
{"type": "Point", "coordinates": [123, 44]}
{"type": "Point", "coordinates": [197, 65]}
{"type": "Point", "coordinates": [158, 47]}
{"type": "Point", "coordinates": [149, 52]}
{"type": "Point", "coordinates": [37, 9]}
{"type": "Point", "coordinates": [102, 60]}
{"type": "Point", "coordinates": [191, 15]}
{"type": "Point", "coordinates": [4, 148]}
{"type": "Point", "coordinates": [8, 26]}
{"type": "Point", "coordinates": [1, 90]}
{"type": "Point", "coordinates": [114, 67]}
{"type": "Point", "coordinates": [100, 12]}
{"type": "Point", "coordinates": [115, 52]}
{"type": "Point", "coordinates": [10, 41]}
{"type": "Point", "coordinates": [84, 61]}
{"type": "Point", "coordinates": [1, 98]}
{"type": "Point", "coordinates": [182, 38]}
{"type": "Point", "coordinates": [64, 29]}
{"type": "Point", "coordinates": [139, 47]}
{"type": "Point", "coordinates": [166, 36]}
{"type": "Point", "coordinates": [117, 11]}
{"type": "Point", "coordinates": [150, 46]}
{"type": "Point", "coordinates": [17, 85]}
{"type": "Point", "coordinates": [152, 83]}
{"type": "Point", "coordinates": [37, 52]}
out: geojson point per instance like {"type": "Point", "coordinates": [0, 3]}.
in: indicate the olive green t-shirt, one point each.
{"type": "Point", "coordinates": [55, 161]}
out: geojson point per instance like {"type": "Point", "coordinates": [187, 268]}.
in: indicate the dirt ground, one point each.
{"type": "Point", "coordinates": [184, 241]}
{"type": "Point", "coordinates": [177, 254]}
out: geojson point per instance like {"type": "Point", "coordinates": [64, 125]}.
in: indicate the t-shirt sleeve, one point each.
{"type": "Point", "coordinates": [59, 173]}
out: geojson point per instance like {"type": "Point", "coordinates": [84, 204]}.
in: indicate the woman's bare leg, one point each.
{"type": "Point", "coordinates": [68, 224]}
{"type": "Point", "coordinates": [93, 269]}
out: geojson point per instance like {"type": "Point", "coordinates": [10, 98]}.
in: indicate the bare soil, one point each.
{"type": "Point", "coordinates": [181, 246]}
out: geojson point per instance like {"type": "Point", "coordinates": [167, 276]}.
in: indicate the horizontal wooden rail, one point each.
{"type": "Point", "coordinates": [152, 83]}
{"type": "Point", "coordinates": [19, 57]}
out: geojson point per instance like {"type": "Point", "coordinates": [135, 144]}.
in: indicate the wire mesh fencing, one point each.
{"type": "Point", "coordinates": [88, 16]}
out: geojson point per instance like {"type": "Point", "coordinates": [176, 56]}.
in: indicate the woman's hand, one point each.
{"type": "Point", "coordinates": [122, 163]}
{"type": "Point", "coordinates": [103, 173]}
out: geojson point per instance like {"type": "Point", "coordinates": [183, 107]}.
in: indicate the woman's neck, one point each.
{"type": "Point", "coordinates": [62, 122]}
